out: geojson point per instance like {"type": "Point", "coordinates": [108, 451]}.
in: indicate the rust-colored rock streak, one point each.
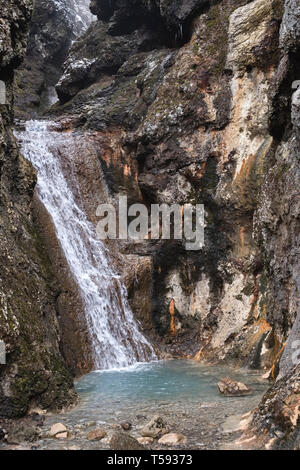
{"type": "Point", "coordinates": [172, 317]}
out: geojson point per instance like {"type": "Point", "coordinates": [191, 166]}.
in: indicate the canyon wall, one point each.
{"type": "Point", "coordinates": [276, 420]}
{"type": "Point", "coordinates": [35, 373]}
{"type": "Point", "coordinates": [54, 26]}
{"type": "Point", "coordinates": [191, 102]}
{"type": "Point", "coordinates": [177, 102]}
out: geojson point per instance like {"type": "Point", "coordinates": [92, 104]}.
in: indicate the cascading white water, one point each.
{"type": "Point", "coordinates": [115, 335]}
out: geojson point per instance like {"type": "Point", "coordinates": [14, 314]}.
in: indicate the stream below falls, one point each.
{"type": "Point", "coordinates": [183, 392]}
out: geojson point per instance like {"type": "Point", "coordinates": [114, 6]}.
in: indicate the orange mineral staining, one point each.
{"type": "Point", "coordinates": [172, 317]}
{"type": "Point", "coordinates": [278, 356]}
{"type": "Point", "coordinates": [242, 237]}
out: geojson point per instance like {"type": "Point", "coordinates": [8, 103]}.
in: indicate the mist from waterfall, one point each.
{"type": "Point", "coordinates": [115, 335]}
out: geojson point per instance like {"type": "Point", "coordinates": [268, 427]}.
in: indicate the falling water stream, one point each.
{"type": "Point", "coordinates": [115, 335]}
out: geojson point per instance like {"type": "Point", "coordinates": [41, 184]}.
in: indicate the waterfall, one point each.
{"type": "Point", "coordinates": [115, 336]}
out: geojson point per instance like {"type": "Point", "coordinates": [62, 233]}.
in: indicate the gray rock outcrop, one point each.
{"type": "Point", "coordinates": [55, 24]}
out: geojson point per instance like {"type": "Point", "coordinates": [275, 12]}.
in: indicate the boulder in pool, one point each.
{"type": "Point", "coordinates": [230, 387]}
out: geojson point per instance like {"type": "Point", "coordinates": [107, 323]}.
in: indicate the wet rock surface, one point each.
{"type": "Point", "coordinates": [178, 123]}
{"type": "Point", "coordinates": [277, 418]}
{"type": "Point", "coordinates": [230, 387]}
{"type": "Point", "coordinates": [35, 372]}
{"type": "Point", "coordinates": [18, 432]}
{"type": "Point", "coordinates": [96, 435]}
{"type": "Point", "coordinates": [53, 27]}
{"type": "Point", "coordinates": [290, 29]}
{"type": "Point", "coordinates": [209, 118]}
{"type": "Point", "coordinates": [172, 16]}
{"type": "Point", "coordinates": [122, 441]}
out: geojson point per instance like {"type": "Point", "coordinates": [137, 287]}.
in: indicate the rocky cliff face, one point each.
{"type": "Point", "coordinates": [277, 418]}
{"type": "Point", "coordinates": [35, 373]}
{"type": "Point", "coordinates": [197, 101]}
{"type": "Point", "coordinates": [54, 26]}
{"type": "Point", "coordinates": [202, 106]}
{"type": "Point", "coordinates": [276, 421]}
{"type": "Point", "coordinates": [183, 103]}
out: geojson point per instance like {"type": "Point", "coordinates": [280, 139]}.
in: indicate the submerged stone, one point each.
{"type": "Point", "coordinates": [96, 435]}
{"type": "Point", "coordinates": [145, 440]}
{"type": "Point", "coordinates": [122, 441]}
{"type": "Point", "coordinates": [126, 426]}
